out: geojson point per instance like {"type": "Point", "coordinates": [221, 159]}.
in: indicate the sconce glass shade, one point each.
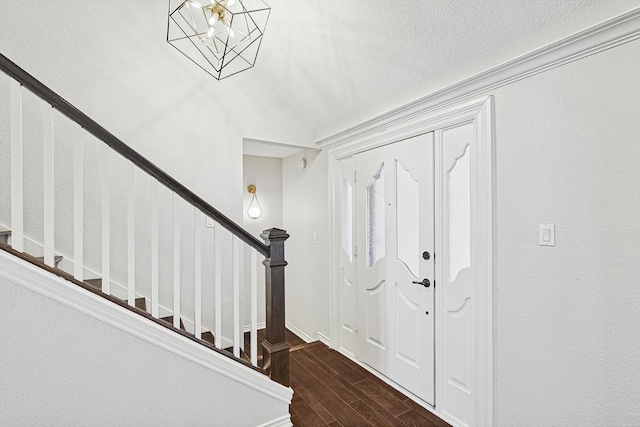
{"type": "Point", "coordinates": [220, 36]}
{"type": "Point", "coordinates": [254, 211]}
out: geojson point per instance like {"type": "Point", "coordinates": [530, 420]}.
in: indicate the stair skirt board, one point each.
{"type": "Point", "coordinates": [58, 289]}
{"type": "Point", "coordinates": [36, 250]}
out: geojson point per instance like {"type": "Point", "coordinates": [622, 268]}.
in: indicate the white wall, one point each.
{"type": "Point", "coordinates": [305, 198]}
{"type": "Point", "coordinates": [60, 367]}
{"type": "Point", "coordinates": [110, 59]}
{"type": "Point", "coordinates": [266, 174]}
{"type": "Point", "coordinates": [566, 318]}
{"type": "Point", "coordinates": [568, 323]}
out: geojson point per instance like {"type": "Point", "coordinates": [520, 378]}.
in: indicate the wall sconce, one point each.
{"type": "Point", "coordinates": [254, 211]}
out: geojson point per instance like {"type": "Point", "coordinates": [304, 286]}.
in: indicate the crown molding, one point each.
{"type": "Point", "coordinates": [606, 35]}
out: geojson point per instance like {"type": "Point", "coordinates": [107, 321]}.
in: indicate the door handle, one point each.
{"type": "Point", "coordinates": [425, 282]}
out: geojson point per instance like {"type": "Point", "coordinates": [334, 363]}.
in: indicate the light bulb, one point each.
{"type": "Point", "coordinates": [254, 211]}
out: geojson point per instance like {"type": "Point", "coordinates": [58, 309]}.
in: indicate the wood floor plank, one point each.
{"type": "Point", "coordinates": [315, 405]}
{"type": "Point", "coordinates": [345, 414]}
{"type": "Point", "coordinates": [331, 390]}
{"type": "Point", "coordinates": [413, 418]}
{"type": "Point", "coordinates": [427, 414]}
{"type": "Point", "coordinates": [372, 416]}
{"type": "Point", "coordinates": [332, 382]}
{"type": "Point", "coordinates": [401, 407]}
{"type": "Point", "coordinates": [338, 362]}
{"type": "Point", "coordinates": [383, 397]}
{"type": "Point", "coordinates": [305, 416]}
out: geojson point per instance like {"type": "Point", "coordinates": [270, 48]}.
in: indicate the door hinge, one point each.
{"type": "Point", "coordinates": [354, 177]}
{"type": "Point", "coordinates": [355, 327]}
{"type": "Point", "coordinates": [355, 251]}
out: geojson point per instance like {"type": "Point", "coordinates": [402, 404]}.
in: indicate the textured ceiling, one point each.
{"type": "Point", "coordinates": [337, 63]}
{"type": "Point", "coordinates": [324, 65]}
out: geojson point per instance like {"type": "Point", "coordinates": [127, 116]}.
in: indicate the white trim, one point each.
{"type": "Point", "coordinates": [17, 166]}
{"type": "Point", "coordinates": [480, 111]}
{"type": "Point", "coordinates": [283, 421]}
{"type": "Point", "coordinates": [298, 332]}
{"type": "Point", "coordinates": [38, 280]}
{"type": "Point", "coordinates": [259, 325]}
{"type": "Point", "coordinates": [606, 35]}
{"type": "Point", "coordinates": [324, 339]}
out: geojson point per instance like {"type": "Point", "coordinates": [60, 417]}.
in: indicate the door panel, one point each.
{"type": "Point", "coordinates": [394, 226]}
{"type": "Point", "coordinates": [346, 172]}
{"type": "Point", "coordinates": [455, 146]}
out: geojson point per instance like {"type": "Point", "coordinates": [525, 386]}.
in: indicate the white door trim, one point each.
{"type": "Point", "coordinates": [479, 111]}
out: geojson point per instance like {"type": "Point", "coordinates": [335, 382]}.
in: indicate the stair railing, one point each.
{"type": "Point", "coordinates": [274, 347]}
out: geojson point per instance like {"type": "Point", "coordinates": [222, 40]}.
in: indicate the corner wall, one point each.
{"type": "Point", "coordinates": [266, 174]}
{"type": "Point", "coordinates": [305, 201]}
{"type": "Point", "coordinates": [567, 319]}
{"type": "Point", "coordinates": [60, 367]}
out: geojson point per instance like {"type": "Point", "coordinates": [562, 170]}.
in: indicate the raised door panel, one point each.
{"type": "Point", "coordinates": [456, 146]}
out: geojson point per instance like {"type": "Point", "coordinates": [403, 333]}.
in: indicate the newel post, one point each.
{"type": "Point", "coordinates": [275, 348]}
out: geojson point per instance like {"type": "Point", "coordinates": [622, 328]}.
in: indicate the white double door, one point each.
{"type": "Point", "coordinates": [394, 264]}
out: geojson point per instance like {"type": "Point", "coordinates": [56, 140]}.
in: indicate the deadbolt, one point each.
{"type": "Point", "coordinates": [426, 255]}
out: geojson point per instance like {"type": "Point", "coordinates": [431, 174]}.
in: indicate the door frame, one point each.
{"type": "Point", "coordinates": [480, 112]}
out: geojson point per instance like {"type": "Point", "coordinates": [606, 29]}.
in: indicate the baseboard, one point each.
{"type": "Point", "coordinates": [306, 338]}
{"type": "Point", "coordinates": [324, 339]}
{"type": "Point", "coordinates": [284, 421]}
{"type": "Point", "coordinates": [58, 289]}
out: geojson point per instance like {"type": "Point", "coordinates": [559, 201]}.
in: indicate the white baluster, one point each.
{"type": "Point", "coordinates": [47, 159]}
{"type": "Point", "coordinates": [254, 307]}
{"type": "Point", "coordinates": [154, 247]}
{"type": "Point", "coordinates": [197, 250]}
{"type": "Point", "coordinates": [106, 220]}
{"type": "Point", "coordinates": [236, 297]}
{"type": "Point", "coordinates": [176, 261]}
{"type": "Point", "coordinates": [131, 233]}
{"type": "Point", "coordinates": [78, 203]}
{"type": "Point", "coordinates": [17, 189]}
{"type": "Point", "coordinates": [217, 265]}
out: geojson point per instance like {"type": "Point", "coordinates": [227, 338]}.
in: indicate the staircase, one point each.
{"type": "Point", "coordinates": [218, 326]}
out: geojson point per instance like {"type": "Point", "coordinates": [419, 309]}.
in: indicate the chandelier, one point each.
{"type": "Point", "coordinates": [220, 36]}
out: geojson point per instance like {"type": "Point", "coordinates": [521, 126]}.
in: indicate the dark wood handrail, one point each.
{"type": "Point", "coordinates": [88, 124]}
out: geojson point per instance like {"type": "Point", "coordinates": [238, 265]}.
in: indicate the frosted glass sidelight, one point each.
{"type": "Point", "coordinates": [347, 218]}
{"type": "Point", "coordinates": [459, 208]}
{"type": "Point", "coordinates": [407, 220]}
{"type": "Point", "coordinates": [375, 218]}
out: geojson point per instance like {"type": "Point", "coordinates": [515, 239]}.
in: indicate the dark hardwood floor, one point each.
{"type": "Point", "coordinates": [331, 390]}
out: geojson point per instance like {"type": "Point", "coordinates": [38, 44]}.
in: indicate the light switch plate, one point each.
{"type": "Point", "coordinates": [210, 223]}
{"type": "Point", "coordinates": [547, 235]}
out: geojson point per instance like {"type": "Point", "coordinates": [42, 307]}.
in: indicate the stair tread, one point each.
{"type": "Point", "coordinates": [169, 319]}
{"type": "Point", "coordinates": [56, 259]}
{"type": "Point", "coordinates": [208, 337]}
{"type": "Point", "coordinates": [141, 303]}
{"type": "Point", "coordinates": [95, 283]}
{"type": "Point", "coordinates": [4, 232]}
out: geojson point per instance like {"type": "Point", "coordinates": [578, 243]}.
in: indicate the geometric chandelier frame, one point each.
{"type": "Point", "coordinates": [222, 37]}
